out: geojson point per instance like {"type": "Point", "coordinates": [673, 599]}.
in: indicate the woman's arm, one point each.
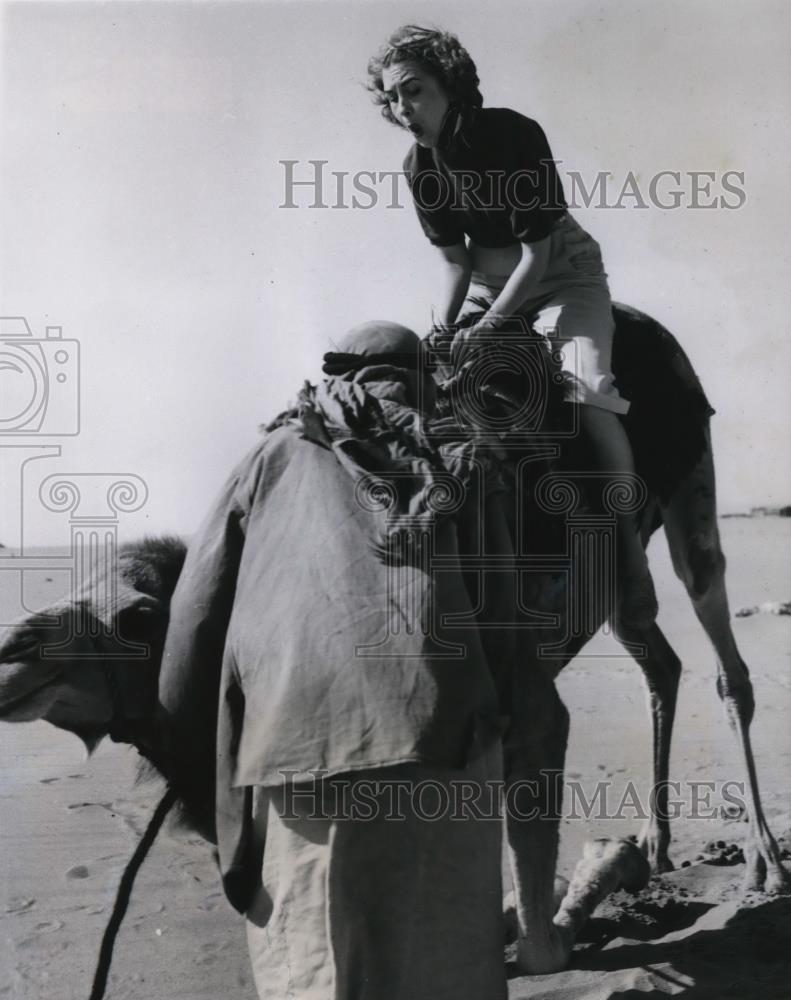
{"type": "Point", "coordinates": [456, 270]}
{"type": "Point", "coordinates": [523, 280]}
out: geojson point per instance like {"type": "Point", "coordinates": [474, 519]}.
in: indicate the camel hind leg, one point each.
{"type": "Point", "coordinates": [690, 519]}
{"type": "Point", "coordinates": [662, 670]}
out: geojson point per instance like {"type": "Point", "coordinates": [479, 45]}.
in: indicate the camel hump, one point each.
{"type": "Point", "coordinates": [648, 361]}
{"type": "Point", "coordinates": [669, 415]}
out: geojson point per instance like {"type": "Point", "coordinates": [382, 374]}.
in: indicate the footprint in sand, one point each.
{"type": "Point", "coordinates": [78, 871]}
{"type": "Point", "coordinates": [49, 926]}
{"type": "Point", "coordinates": [154, 911]}
{"type": "Point", "coordinates": [207, 954]}
{"type": "Point", "coordinates": [20, 906]}
{"type": "Point", "coordinates": [211, 902]}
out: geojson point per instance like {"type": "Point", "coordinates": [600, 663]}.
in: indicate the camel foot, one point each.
{"type": "Point", "coordinates": [510, 917]}
{"type": "Point", "coordinates": [778, 882]}
{"type": "Point", "coordinates": [607, 864]}
{"type": "Point", "coordinates": [661, 864]}
{"type": "Point", "coordinates": [654, 848]}
{"type": "Point", "coordinates": [544, 951]}
{"type": "Point", "coordinates": [765, 873]}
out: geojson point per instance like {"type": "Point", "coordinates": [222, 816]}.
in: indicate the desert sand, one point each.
{"type": "Point", "coordinates": [69, 825]}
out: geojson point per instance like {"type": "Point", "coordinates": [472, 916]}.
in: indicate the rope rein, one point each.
{"type": "Point", "coordinates": [124, 893]}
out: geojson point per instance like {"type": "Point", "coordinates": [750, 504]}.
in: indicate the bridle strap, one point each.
{"type": "Point", "coordinates": [119, 725]}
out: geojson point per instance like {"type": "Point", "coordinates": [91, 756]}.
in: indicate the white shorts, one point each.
{"type": "Point", "coordinates": [572, 309]}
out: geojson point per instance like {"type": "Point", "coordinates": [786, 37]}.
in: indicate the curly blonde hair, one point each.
{"type": "Point", "coordinates": [442, 55]}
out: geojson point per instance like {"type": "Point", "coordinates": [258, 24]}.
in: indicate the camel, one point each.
{"type": "Point", "coordinates": [79, 667]}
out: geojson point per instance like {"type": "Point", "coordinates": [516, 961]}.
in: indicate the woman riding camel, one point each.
{"type": "Point", "coordinates": [488, 196]}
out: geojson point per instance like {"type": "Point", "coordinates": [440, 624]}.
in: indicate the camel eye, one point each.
{"type": "Point", "coordinates": [139, 618]}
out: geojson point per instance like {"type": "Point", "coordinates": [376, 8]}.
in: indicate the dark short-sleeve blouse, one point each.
{"type": "Point", "coordinates": [495, 181]}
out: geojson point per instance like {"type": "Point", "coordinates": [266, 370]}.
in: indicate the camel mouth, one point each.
{"type": "Point", "coordinates": [24, 676]}
{"type": "Point", "coordinates": [19, 708]}
{"type": "Point", "coordinates": [22, 647]}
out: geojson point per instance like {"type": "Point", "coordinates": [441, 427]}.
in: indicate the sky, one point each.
{"type": "Point", "coordinates": [142, 194]}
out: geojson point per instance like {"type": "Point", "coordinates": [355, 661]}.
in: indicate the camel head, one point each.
{"type": "Point", "coordinates": [90, 663]}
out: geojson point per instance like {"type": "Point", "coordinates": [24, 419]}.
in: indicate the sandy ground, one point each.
{"type": "Point", "coordinates": [68, 827]}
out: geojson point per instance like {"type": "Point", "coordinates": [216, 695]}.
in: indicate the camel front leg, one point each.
{"type": "Point", "coordinates": [534, 786]}
{"type": "Point", "coordinates": [693, 536]}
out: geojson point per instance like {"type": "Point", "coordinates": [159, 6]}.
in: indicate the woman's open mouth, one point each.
{"type": "Point", "coordinates": [416, 130]}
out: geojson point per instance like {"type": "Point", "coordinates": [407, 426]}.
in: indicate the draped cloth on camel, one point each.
{"type": "Point", "coordinates": [297, 640]}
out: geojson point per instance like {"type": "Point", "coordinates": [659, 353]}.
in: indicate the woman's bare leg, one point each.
{"type": "Point", "coordinates": [611, 452]}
